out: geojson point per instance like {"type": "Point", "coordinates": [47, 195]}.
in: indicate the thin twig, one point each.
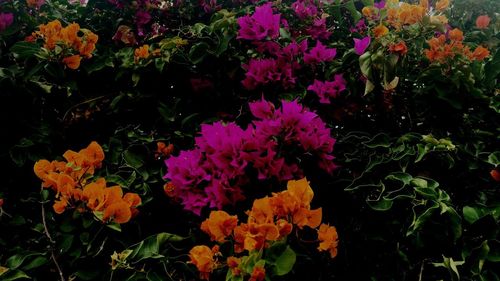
{"type": "Point", "coordinates": [52, 242]}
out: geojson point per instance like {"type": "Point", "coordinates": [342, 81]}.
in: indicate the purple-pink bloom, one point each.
{"type": "Point", "coordinates": [6, 19]}
{"type": "Point", "coordinates": [260, 25]}
{"type": "Point", "coordinates": [360, 27]}
{"type": "Point", "coordinates": [360, 45]}
{"type": "Point", "coordinates": [328, 89]}
{"type": "Point", "coordinates": [318, 30]}
{"type": "Point", "coordinates": [264, 71]}
{"type": "Point", "coordinates": [304, 9]}
{"type": "Point", "coordinates": [320, 53]}
{"type": "Point", "coordinates": [379, 5]}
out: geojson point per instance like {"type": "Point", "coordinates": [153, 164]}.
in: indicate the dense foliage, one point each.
{"type": "Point", "coordinates": [250, 140]}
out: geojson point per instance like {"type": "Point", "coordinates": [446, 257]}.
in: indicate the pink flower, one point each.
{"type": "Point", "coordinates": [210, 5]}
{"type": "Point", "coordinates": [328, 89]}
{"type": "Point", "coordinates": [6, 19]}
{"type": "Point", "coordinates": [304, 9]}
{"type": "Point", "coordinates": [360, 45]}
{"type": "Point", "coordinates": [318, 30]}
{"type": "Point", "coordinates": [320, 53]}
{"type": "Point", "coordinates": [264, 71]}
{"type": "Point", "coordinates": [262, 24]}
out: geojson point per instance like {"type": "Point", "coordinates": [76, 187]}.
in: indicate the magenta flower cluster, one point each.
{"type": "Point", "coordinates": [215, 171]}
{"type": "Point", "coordinates": [328, 89]}
{"type": "Point", "coordinates": [260, 25]}
{"type": "Point", "coordinates": [6, 19]}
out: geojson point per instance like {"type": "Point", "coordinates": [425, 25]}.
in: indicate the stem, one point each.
{"type": "Point", "coordinates": [52, 242]}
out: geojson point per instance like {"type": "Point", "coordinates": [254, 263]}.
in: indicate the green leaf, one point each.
{"type": "Point", "coordinates": [133, 159]}
{"type": "Point", "coordinates": [198, 52]}
{"type": "Point", "coordinates": [380, 205]}
{"type": "Point", "coordinates": [150, 247]}
{"type": "Point", "coordinates": [418, 221]}
{"type": "Point", "coordinates": [470, 214]}
{"type": "Point", "coordinates": [10, 275]}
{"type": "Point", "coordinates": [494, 158]}
{"type": "Point", "coordinates": [17, 260]}
{"type": "Point", "coordinates": [24, 49]}
{"type": "Point", "coordinates": [355, 14]}
{"type": "Point", "coordinates": [379, 140]}
{"type": "Point", "coordinates": [284, 263]}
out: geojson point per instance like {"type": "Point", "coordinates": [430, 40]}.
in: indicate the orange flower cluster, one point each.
{"type": "Point", "coordinates": [204, 259]}
{"type": "Point", "coordinates": [74, 47]}
{"type": "Point", "coordinates": [141, 53]}
{"type": "Point", "coordinates": [405, 14]}
{"type": "Point", "coordinates": [441, 51]}
{"type": "Point", "coordinates": [163, 150]}
{"type": "Point", "coordinates": [270, 219]}
{"type": "Point", "coordinates": [482, 22]}
{"type": "Point", "coordinates": [71, 180]}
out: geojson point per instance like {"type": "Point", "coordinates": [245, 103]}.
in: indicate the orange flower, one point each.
{"type": "Point", "coordinates": [305, 217]}
{"type": "Point", "coordinates": [495, 174]}
{"type": "Point", "coordinates": [367, 12]}
{"type": "Point", "coordinates": [203, 258]}
{"type": "Point", "coordinates": [42, 168]}
{"type": "Point", "coordinates": [482, 22]}
{"type": "Point", "coordinates": [441, 5]}
{"type": "Point", "coordinates": [93, 154]}
{"type": "Point", "coordinates": [380, 30]}
{"type": "Point", "coordinates": [258, 274]}
{"type": "Point", "coordinates": [327, 235]}
{"type": "Point", "coordinates": [261, 212]}
{"type": "Point", "coordinates": [169, 189]}
{"type": "Point", "coordinates": [141, 52]}
{"type": "Point", "coordinates": [424, 4]}
{"type": "Point", "coordinates": [162, 150]}
{"type": "Point", "coordinates": [219, 225]}
{"type": "Point", "coordinates": [456, 35]}
{"type": "Point", "coordinates": [119, 212]}
{"type": "Point", "coordinates": [233, 263]}
{"type": "Point", "coordinates": [480, 53]}
{"type": "Point", "coordinates": [399, 48]}
{"type": "Point", "coordinates": [60, 206]}
{"type": "Point", "coordinates": [72, 62]}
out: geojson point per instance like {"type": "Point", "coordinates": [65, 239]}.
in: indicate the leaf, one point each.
{"type": "Point", "coordinates": [355, 14]}
{"type": "Point", "coordinates": [380, 205]}
{"type": "Point", "coordinates": [150, 247]}
{"type": "Point", "coordinates": [17, 260]}
{"type": "Point", "coordinates": [400, 176]}
{"type": "Point", "coordinates": [494, 158]}
{"type": "Point", "coordinates": [284, 263]}
{"type": "Point", "coordinates": [471, 215]}
{"type": "Point", "coordinates": [198, 52]}
{"type": "Point", "coordinates": [133, 159]}
{"type": "Point", "coordinates": [379, 140]}
{"type": "Point", "coordinates": [418, 221]}
{"type": "Point", "coordinates": [10, 275]}
{"type": "Point", "coordinates": [24, 49]}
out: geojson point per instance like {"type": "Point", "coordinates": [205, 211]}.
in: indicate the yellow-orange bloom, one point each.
{"type": "Point", "coordinates": [482, 22]}
{"type": "Point", "coordinates": [141, 52]}
{"type": "Point", "coordinates": [441, 5]}
{"type": "Point", "coordinates": [456, 35]}
{"type": "Point", "coordinates": [60, 206]}
{"type": "Point", "coordinates": [119, 212]}
{"type": "Point", "coordinates": [233, 263]}
{"type": "Point", "coordinates": [219, 225]}
{"type": "Point", "coordinates": [258, 274]}
{"type": "Point", "coordinates": [72, 62]}
{"type": "Point", "coordinates": [399, 48]}
{"type": "Point", "coordinates": [327, 235]}
{"type": "Point", "coordinates": [380, 30]}
{"type": "Point", "coordinates": [480, 53]}
{"type": "Point", "coordinates": [203, 258]}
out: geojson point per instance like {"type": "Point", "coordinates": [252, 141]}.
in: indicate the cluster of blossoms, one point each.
{"type": "Point", "coordinates": [271, 219]}
{"type": "Point", "coordinates": [66, 42]}
{"type": "Point", "coordinates": [447, 47]}
{"type": "Point", "coordinates": [213, 173]}
{"type": "Point", "coordinates": [75, 188]}
{"type": "Point", "coordinates": [281, 62]}
{"type": "Point", "coordinates": [6, 19]}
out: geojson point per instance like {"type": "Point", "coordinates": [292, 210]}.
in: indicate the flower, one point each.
{"type": "Point", "coordinates": [119, 212]}
{"type": "Point", "coordinates": [456, 35]}
{"type": "Point", "coordinates": [203, 258]}
{"type": "Point", "coordinates": [380, 30]}
{"type": "Point", "coordinates": [6, 19]}
{"type": "Point", "coordinates": [219, 225]}
{"type": "Point", "coordinates": [35, 3]}
{"type": "Point", "coordinates": [480, 53]}
{"type": "Point", "coordinates": [495, 175]}
{"type": "Point", "coordinates": [141, 52]}
{"type": "Point", "coordinates": [258, 274]}
{"type": "Point", "coordinates": [260, 25]}
{"type": "Point", "coordinates": [327, 235]}
{"type": "Point", "coordinates": [264, 71]}
{"type": "Point", "coordinates": [234, 263]}
{"type": "Point", "coordinates": [72, 62]}
{"type": "Point", "coordinates": [317, 30]}
{"type": "Point", "coordinates": [320, 53]}
{"type": "Point", "coordinates": [441, 5]}
{"type": "Point", "coordinates": [360, 45]}
{"type": "Point", "coordinates": [328, 89]}
{"type": "Point", "coordinates": [399, 48]}
{"type": "Point", "coordinates": [483, 21]}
